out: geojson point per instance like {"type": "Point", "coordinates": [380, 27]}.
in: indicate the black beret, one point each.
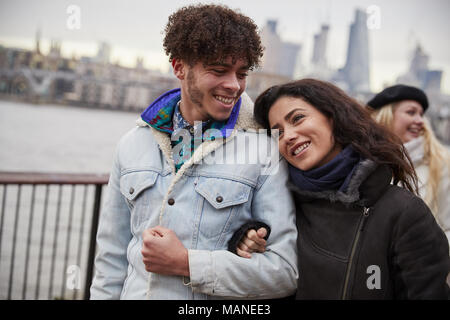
{"type": "Point", "coordinates": [398, 93]}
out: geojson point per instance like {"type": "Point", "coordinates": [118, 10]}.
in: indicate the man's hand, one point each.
{"type": "Point", "coordinates": [164, 253]}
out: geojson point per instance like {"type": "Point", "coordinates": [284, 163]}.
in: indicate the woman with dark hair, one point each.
{"type": "Point", "coordinates": [359, 236]}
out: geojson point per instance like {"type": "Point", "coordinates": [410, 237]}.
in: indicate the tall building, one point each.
{"type": "Point", "coordinates": [419, 73]}
{"type": "Point", "coordinates": [38, 41]}
{"type": "Point", "coordinates": [319, 65]}
{"type": "Point", "coordinates": [280, 57]}
{"type": "Point", "coordinates": [104, 53]}
{"type": "Point", "coordinates": [320, 48]}
{"type": "Point", "coordinates": [356, 70]}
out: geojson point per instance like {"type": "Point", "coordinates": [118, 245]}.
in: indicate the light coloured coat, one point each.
{"type": "Point", "coordinates": [415, 150]}
{"type": "Point", "coordinates": [143, 180]}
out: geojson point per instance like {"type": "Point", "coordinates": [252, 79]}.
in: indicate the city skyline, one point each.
{"type": "Point", "coordinates": [402, 27]}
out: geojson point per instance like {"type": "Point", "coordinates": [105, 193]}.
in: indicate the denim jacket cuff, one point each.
{"type": "Point", "coordinates": [201, 271]}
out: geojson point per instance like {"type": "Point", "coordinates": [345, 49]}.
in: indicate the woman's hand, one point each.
{"type": "Point", "coordinates": [253, 241]}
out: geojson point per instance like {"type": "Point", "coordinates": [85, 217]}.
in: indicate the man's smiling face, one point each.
{"type": "Point", "coordinates": [210, 91]}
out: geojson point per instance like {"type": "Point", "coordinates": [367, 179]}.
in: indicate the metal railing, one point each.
{"type": "Point", "coordinates": [45, 221]}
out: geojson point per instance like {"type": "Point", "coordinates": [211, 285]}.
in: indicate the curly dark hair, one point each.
{"type": "Point", "coordinates": [352, 124]}
{"type": "Point", "coordinates": [211, 33]}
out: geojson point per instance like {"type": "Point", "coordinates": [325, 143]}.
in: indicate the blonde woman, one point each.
{"type": "Point", "coordinates": [401, 108]}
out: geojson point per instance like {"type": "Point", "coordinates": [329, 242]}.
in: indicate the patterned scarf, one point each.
{"type": "Point", "coordinates": [164, 115]}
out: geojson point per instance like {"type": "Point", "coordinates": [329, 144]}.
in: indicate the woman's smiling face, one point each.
{"type": "Point", "coordinates": [408, 120]}
{"type": "Point", "coordinates": [305, 135]}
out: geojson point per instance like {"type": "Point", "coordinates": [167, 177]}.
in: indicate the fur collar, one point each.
{"type": "Point", "coordinates": [368, 182]}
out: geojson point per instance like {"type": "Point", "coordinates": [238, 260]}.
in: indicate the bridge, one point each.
{"type": "Point", "coordinates": [52, 85]}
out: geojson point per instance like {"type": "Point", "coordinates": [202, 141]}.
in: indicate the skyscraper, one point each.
{"type": "Point", "coordinates": [280, 57]}
{"type": "Point", "coordinates": [356, 70]}
{"type": "Point", "coordinates": [38, 41]}
{"type": "Point", "coordinates": [320, 48]}
{"type": "Point", "coordinates": [104, 53]}
{"type": "Point", "coordinates": [420, 75]}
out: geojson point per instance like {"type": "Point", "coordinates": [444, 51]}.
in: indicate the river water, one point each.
{"type": "Point", "coordinates": [53, 138]}
{"type": "Point", "coordinates": [51, 246]}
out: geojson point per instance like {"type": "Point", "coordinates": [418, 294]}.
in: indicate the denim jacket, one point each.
{"type": "Point", "coordinates": [204, 203]}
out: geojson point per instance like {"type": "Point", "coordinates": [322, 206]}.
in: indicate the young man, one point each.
{"type": "Point", "coordinates": [170, 209]}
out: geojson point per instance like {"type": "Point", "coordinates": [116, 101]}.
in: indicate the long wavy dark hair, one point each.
{"type": "Point", "coordinates": [352, 124]}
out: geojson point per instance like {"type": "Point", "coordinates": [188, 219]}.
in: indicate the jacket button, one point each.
{"type": "Point", "coordinates": [171, 202]}
{"type": "Point", "coordinates": [131, 191]}
{"type": "Point", "coordinates": [219, 199]}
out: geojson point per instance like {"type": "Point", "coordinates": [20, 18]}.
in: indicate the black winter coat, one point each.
{"type": "Point", "coordinates": [375, 241]}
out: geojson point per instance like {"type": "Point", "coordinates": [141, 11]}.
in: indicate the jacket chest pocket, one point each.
{"type": "Point", "coordinates": [136, 188]}
{"type": "Point", "coordinates": [221, 200]}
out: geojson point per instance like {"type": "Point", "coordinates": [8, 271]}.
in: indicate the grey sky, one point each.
{"type": "Point", "coordinates": [135, 27]}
